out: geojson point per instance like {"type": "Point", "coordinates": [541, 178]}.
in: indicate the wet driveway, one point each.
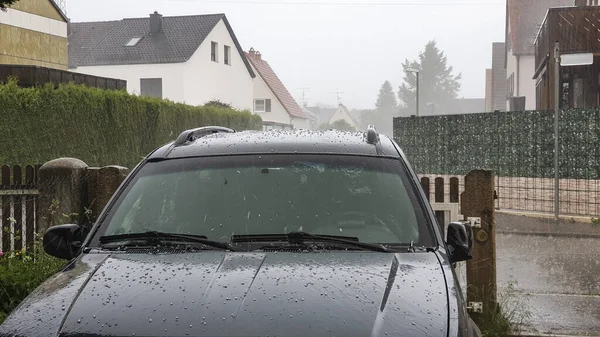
{"type": "Point", "coordinates": [560, 277]}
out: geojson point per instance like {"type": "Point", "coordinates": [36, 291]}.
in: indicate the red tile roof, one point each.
{"type": "Point", "coordinates": [275, 85]}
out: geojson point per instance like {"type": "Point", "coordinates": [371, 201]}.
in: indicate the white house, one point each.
{"type": "Point", "coordinates": [188, 59]}
{"type": "Point", "coordinates": [342, 113]}
{"type": "Point", "coordinates": [523, 19]}
{"type": "Point", "coordinates": [272, 101]}
{"type": "Point", "coordinates": [331, 115]}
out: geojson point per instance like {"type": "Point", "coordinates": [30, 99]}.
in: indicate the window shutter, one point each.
{"type": "Point", "coordinates": [268, 105]}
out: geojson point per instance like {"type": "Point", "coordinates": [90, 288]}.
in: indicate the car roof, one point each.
{"type": "Point", "coordinates": [216, 142]}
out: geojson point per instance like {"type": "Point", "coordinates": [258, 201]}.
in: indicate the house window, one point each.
{"type": "Point", "coordinates": [133, 42]}
{"type": "Point", "coordinates": [262, 105]}
{"type": "Point", "coordinates": [227, 55]}
{"type": "Point", "coordinates": [510, 86]}
{"type": "Point", "coordinates": [151, 87]}
{"type": "Point", "coordinates": [214, 51]}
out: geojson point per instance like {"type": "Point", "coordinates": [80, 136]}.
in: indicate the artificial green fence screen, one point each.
{"type": "Point", "coordinates": [512, 144]}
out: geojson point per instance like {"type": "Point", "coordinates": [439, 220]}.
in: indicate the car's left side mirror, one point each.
{"type": "Point", "coordinates": [62, 241]}
{"type": "Point", "coordinates": [459, 240]}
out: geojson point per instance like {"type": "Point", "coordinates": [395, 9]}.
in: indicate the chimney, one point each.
{"type": "Point", "coordinates": [252, 52]}
{"type": "Point", "coordinates": [155, 23]}
{"type": "Point", "coordinates": [258, 55]}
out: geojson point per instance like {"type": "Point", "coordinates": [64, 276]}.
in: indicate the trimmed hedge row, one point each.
{"type": "Point", "coordinates": [100, 127]}
{"type": "Point", "coordinates": [513, 144]}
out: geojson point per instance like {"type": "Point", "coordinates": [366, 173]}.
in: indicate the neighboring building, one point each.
{"type": "Point", "coordinates": [330, 115]}
{"type": "Point", "coordinates": [272, 101]}
{"type": "Point", "coordinates": [579, 84]}
{"type": "Point", "coordinates": [488, 90]}
{"type": "Point", "coordinates": [523, 19]}
{"type": "Point", "coordinates": [34, 32]}
{"type": "Point", "coordinates": [313, 119]}
{"type": "Point", "coordinates": [322, 113]}
{"type": "Point", "coordinates": [464, 106]}
{"type": "Point", "coordinates": [498, 77]}
{"type": "Point", "coordinates": [342, 113]}
{"type": "Point", "coordinates": [188, 59]}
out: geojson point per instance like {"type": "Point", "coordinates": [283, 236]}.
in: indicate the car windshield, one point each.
{"type": "Point", "coordinates": [368, 198]}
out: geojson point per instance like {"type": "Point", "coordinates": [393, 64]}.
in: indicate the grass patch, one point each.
{"type": "Point", "coordinates": [510, 315]}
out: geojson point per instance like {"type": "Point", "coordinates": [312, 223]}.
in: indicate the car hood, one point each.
{"type": "Point", "coordinates": [240, 294]}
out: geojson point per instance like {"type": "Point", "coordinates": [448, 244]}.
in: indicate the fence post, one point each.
{"type": "Point", "coordinates": [107, 181]}
{"type": "Point", "coordinates": [477, 200]}
{"type": "Point", "coordinates": [60, 181]}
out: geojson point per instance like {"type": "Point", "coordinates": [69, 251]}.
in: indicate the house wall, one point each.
{"type": "Point", "coordinates": [171, 74]}
{"type": "Point", "coordinates": [498, 101]}
{"type": "Point", "coordinates": [262, 91]}
{"type": "Point", "coordinates": [341, 114]}
{"type": "Point", "coordinates": [301, 123]}
{"type": "Point", "coordinates": [32, 32]}
{"type": "Point", "coordinates": [522, 68]}
{"type": "Point", "coordinates": [194, 82]}
{"type": "Point", "coordinates": [38, 7]}
{"type": "Point", "coordinates": [526, 85]}
{"type": "Point", "coordinates": [511, 69]}
{"type": "Point", "coordinates": [488, 90]}
{"type": "Point", "coordinates": [205, 80]}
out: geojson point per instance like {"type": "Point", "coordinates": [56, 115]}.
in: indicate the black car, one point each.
{"type": "Point", "coordinates": [276, 233]}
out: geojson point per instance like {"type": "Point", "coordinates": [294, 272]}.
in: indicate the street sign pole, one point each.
{"type": "Point", "coordinates": [556, 118]}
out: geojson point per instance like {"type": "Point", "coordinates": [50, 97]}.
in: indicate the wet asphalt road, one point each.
{"type": "Point", "coordinates": [560, 277]}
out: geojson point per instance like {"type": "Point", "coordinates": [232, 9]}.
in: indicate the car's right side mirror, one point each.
{"type": "Point", "coordinates": [459, 240]}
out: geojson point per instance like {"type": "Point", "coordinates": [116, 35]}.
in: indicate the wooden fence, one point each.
{"type": "Point", "coordinates": [444, 197]}
{"type": "Point", "coordinates": [29, 76]}
{"type": "Point", "coordinates": [444, 191]}
{"type": "Point", "coordinates": [18, 193]}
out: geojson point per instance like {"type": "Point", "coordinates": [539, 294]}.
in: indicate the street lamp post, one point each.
{"type": "Point", "coordinates": [416, 72]}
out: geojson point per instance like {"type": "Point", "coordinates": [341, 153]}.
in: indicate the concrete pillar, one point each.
{"type": "Point", "coordinates": [107, 181]}
{"type": "Point", "coordinates": [92, 183]}
{"type": "Point", "coordinates": [62, 192]}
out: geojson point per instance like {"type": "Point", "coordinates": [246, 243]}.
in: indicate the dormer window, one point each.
{"type": "Point", "coordinates": [133, 42]}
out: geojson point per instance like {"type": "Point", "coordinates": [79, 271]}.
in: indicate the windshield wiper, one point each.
{"type": "Point", "coordinates": [155, 237]}
{"type": "Point", "coordinates": [302, 237]}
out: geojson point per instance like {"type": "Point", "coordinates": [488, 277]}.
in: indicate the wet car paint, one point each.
{"type": "Point", "coordinates": [244, 294]}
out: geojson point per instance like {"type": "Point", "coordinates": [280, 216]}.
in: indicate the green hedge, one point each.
{"type": "Point", "coordinates": [100, 127]}
{"type": "Point", "coordinates": [514, 144]}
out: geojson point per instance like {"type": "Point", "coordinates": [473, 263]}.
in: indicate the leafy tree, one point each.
{"type": "Point", "coordinates": [437, 83]}
{"type": "Point", "coordinates": [6, 3]}
{"type": "Point", "coordinates": [368, 117]}
{"type": "Point", "coordinates": [340, 124]}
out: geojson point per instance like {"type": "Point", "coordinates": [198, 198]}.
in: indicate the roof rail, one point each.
{"type": "Point", "coordinates": [372, 135]}
{"type": "Point", "coordinates": [193, 134]}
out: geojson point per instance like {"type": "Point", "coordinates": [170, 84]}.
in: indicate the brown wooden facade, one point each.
{"type": "Point", "coordinates": [577, 29]}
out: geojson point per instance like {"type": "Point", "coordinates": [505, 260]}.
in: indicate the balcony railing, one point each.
{"type": "Point", "coordinates": [577, 29]}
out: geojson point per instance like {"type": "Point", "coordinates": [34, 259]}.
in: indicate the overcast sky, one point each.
{"type": "Point", "coordinates": [346, 45]}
